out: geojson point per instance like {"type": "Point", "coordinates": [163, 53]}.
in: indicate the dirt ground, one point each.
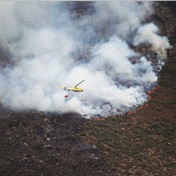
{"type": "Point", "coordinates": [138, 143]}
{"type": "Point", "coordinates": [141, 142]}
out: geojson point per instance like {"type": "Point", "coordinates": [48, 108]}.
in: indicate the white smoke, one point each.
{"type": "Point", "coordinates": [47, 50]}
{"type": "Point", "coordinates": [124, 17]}
{"type": "Point", "coordinates": [148, 34]}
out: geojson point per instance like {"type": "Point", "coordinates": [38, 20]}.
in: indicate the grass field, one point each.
{"type": "Point", "coordinates": [144, 142]}
{"type": "Point", "coordinates": [137, 144]}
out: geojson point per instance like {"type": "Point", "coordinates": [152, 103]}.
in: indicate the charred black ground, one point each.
{"type": "Point", "coordinates": [143, 143]}
{"type": "Point", "coordinates": [38, 144]}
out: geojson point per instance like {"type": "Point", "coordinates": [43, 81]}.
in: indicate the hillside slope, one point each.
{"type": "Point", "coordinates": [143, 142]}
{"type": "Point", "coordinates": [137, 143]}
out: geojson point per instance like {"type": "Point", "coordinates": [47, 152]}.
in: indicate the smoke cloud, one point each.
{"type": "Point", "coordinates": [50, 47]}
{"type": "Point", "coordinates": [148, 34]}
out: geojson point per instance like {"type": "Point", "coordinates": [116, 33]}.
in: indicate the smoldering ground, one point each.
{"type": "Point", "coordinates": [49, 48]}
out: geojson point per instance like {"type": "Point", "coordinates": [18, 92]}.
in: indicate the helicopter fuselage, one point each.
{"type": "Point", "coordinates": [74, 89]}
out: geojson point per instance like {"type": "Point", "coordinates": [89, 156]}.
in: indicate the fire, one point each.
{"type": "Point", "coordinates": [149, 97]}
{"type": "Point", "coordinates": [98, 119]}
{"type": "Point", "coordinates": [130, 112]}
{"type": "Point", "coordinates": [147, 104]}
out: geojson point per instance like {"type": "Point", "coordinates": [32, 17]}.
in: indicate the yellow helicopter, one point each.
{"type": "Point", "coordinates": [75, 88]}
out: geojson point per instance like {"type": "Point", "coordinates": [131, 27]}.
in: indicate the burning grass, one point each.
{"type": "Point", "coordinates": [138, 143]}
{"type": "Point", "coordinates": [141, 143]}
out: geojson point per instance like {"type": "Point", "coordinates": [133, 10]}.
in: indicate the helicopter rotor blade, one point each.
{"type": "Point", "coordinates": [79, 83]}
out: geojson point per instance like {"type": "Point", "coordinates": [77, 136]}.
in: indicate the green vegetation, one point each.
{"type": "Point", "coordinates": [172, 40]}
{"type": "Point", "coordinates": [142, 143]}
{"type": "Point", "coordinates": [168, 74]}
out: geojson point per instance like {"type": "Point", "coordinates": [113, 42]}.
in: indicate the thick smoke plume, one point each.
{"type": "Point", "coordinates": [51, 45]}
